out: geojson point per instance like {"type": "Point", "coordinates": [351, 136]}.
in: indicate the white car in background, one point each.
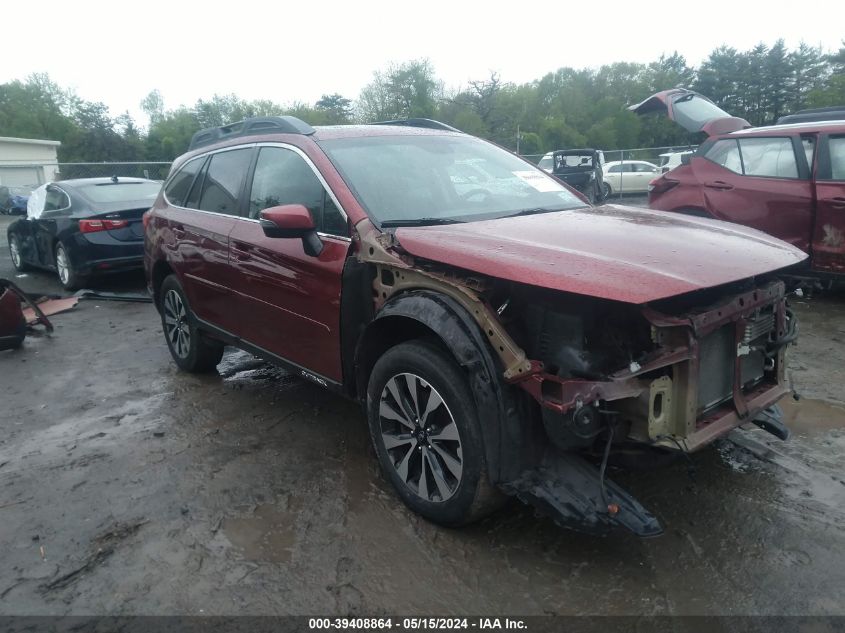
{"type": "Point", "coordinates": [628, 176]}
{"type": "Point", "coordinates": [670, 160]}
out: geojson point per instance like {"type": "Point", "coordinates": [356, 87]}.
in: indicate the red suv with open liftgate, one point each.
{"type": "Point", "coordinates": [787, 180]}
{"type": "Point", "coordinates": [503, 336]}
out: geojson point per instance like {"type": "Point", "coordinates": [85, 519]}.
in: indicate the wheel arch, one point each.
{"type": "Point", "coordinates": [161, 270]}
{"type": "Point", "coordinates": [425, 314]}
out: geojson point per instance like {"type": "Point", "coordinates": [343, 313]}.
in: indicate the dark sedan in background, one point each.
{"type": "Point", "coordinates": [79, 228]}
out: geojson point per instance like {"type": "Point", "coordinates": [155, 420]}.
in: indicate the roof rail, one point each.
{"type": "Point", "coordinates": [832, 113]}
{"type": "Point", "coordinates": [247, 127]}
{"type": "Point", "coordinates": [431, 124]}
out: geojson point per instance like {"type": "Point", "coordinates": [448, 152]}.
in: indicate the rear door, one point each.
{"type": "Point", "coordinates": [829, 229]}
{"type": "Point", "coordinates": [761, 182]}
{"type": "Point", "coordinates": [46, 225]}
{"type": "Point", "coordinates": [206, 198]}
{"type": "Point", "coordinates": [288, 301]}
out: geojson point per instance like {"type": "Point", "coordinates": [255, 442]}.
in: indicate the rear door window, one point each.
{"type": "Point", "coordinates": [283, 177]}
{"type": "Point", "coordinates": [177, 189]}
{"type": "Point", "coordinates": [224, 178]}
{"type": "Point", "coordinates": [772, 157]}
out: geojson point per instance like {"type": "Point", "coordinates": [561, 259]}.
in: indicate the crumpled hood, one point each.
{"type": "Point", "coordinates": [613, 252]}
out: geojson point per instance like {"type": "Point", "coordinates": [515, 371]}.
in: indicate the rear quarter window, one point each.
{"type": "Point", "coordinates": [178, 187]}
{"type": "Point", "coordinates": [725, 153]}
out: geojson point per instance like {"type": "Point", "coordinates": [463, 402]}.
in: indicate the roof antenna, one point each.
{"type": "Point", "coordinates": [114, 178]}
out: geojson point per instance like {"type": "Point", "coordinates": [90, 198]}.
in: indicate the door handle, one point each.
{"type": "Point", "coordinates": [179, 230]}
{"type": "Point", "coordinates": [837, 202]}
{"type": "Point", "coordinates": [721, 185]}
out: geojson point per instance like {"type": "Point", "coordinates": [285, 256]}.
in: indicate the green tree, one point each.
{"type": "Point", "coordinates": [337, 108]}
{"type": "Point", "coordinates": [404, 91]}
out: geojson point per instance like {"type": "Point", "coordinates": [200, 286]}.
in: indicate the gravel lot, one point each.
{"type": "Point", "coordinates": [127, 487]}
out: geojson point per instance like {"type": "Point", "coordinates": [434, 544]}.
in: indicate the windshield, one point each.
{"type": "Point", "coordinates": [121, 191]}
{"type": "Point", "coordinates": [692, 111]}
{"type": "Point", "coordinates": [430, 178]}
{"type": "Point", "coordinates": [565, 161]}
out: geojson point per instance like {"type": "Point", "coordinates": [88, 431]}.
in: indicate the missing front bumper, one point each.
{"type": "Point", "coordinates": [568, 489]}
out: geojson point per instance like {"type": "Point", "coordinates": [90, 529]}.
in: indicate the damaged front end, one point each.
{"type": "Point", "coordinates": [608, 378]}
{"type": "Point", "coordinates": [672, 376]}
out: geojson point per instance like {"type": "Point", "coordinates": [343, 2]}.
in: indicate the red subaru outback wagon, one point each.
{"type": "Point", "coordinates": [503, 336]}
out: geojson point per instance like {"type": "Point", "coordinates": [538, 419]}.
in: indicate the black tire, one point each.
{"type": "Point", "coordinates": [590, 193]}
{"type": "Point", "coordinates": [16, 254]}
{"type": "Point", "coordinates": [606, 190]}
{"type": "Point", "coordinates": [465, 498]}
{"type": "Point", "coordinates": [191, 349]}
{"type": "Point", "coordinates": [69, 277]}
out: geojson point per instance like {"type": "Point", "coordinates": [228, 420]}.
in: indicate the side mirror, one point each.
{"type": "Point", "coordinates": [292, 221]}
{"type": "Point", "coordinates": [685, 159]}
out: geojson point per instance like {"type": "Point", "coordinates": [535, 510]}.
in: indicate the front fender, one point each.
{"type": "Point", "coordinates": [506, 424]}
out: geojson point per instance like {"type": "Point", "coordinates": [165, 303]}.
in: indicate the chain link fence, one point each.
{"type": "Point", "coordinates": [149, 170]}
{"type": "Point", "coordinates": [648, 154]}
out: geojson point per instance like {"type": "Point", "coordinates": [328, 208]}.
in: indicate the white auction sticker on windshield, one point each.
{"type": "Point", "coordinates": [538, 181]}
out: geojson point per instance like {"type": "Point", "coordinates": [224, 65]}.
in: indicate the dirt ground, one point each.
{"type": "Point", "coordinates": [127, 487]}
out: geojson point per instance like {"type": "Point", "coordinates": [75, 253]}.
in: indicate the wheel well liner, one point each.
{"type": "Point", "coordinates": [508, 429]}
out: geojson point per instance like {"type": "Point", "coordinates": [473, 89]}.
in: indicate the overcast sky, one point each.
{"type": "Point", "coordinates": [116, 52]}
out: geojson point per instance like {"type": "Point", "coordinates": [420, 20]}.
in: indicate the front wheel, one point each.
{"type": "Point", "coordinates": [424, 427]}
{"type": "Point", "coordinates": [607, 190]}
{"type": "Point", "coordinates": [190, 348]}
{"type": "Point", "coordinates": [16, 252]}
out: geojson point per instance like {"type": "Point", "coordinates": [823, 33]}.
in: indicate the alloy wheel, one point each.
{"type": "Point", "coordinates": [176, 326]}
{"type": "Point", "coordinates": [421, 437]}
{"type": "Point", "coordinates": [62, 265]}
{"type": "Point", "coordinates": [15, 252]}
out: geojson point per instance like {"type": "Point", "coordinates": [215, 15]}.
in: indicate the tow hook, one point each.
{"type": "Point", "coordinates": [771, 420]}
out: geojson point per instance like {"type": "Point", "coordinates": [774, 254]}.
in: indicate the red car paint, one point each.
{"type": "Point", "coordinates": [716, 122]}
{"type": "Point", "coordinates": [612, 252]}
{"type": "Point", "coordinates": [806, 211]}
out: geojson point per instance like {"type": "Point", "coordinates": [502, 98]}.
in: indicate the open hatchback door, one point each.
{"type": "Point", "coordinates": [692, 111]}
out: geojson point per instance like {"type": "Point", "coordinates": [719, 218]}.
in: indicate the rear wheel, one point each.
{"type": "Point", "coordinates": [70, 278]}
{"type": "Point", "coordinates": [607, 190]}
{"type": "Point", "coordinates": [425, 430]}
{"type": "Point", "coordinates": [190, 348]}
{"type": "Point", "coordinates": [17, 254]}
